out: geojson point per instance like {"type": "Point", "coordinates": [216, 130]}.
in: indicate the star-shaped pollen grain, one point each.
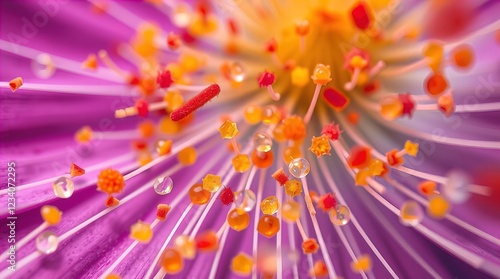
{"type": "Point", "coordinates": [320, 146]}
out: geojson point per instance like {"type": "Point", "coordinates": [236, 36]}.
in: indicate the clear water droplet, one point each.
{"type": "Point", "coordinates": [163, 185]}
{"type": "Point", "coordinates": [340, 215]}
{"type": "Point", "coordinates": [245, 200]}
{"type": "Point", "coordinates": [43, 66]}
{"type": "Point", "coordinates": [182, 16]}
{"type": "Point", "coordinates": [263, 142]}
{"type": "Point", "coordinates": [411, 214]}
{"type": "Point", "coordinates": [237, 72]}
{"type": "Point", "coordinates": [299, 167]}
{"type": "Point", "coordinates": [63, 187]}
{"type": "Point", "coordinates": [455, 189]}
{"type": "Point", "coordinates": [47, 242]}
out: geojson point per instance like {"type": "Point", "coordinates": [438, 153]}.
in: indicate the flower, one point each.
{"type": "Point", "coordinates": [132, 95]}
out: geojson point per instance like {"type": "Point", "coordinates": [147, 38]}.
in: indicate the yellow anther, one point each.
{"type": "Point", "coordinates": [187, 156]}
{"type": "Point", "coordinates": [51, 214]}
{"type": "Point", "coordinates": [434, 52]}
{"type": "Point", "coordinates": [84, 135]}
{"type": "Point", "coordinates": [190, 63]}
{"type": "Point", "coordinates": [438, 207]}
{"type": "Point", "coordinates": [300, 76]}
{"type": "Point", "coordinates": [320, 146]}
{"type": "Point", "coordinates": [253, 114]}
{"type": "Point", "coordinates": [411, 148]}
{"type": "Point", "coordinates": [376, 167]}
{"type": "Point", "coordinates": [169, 127]}
{"type": "Point", "coordinates": [362, 177]}
{"type": "Point", "coordinates": [90, 62]}
{"type": "Point", "coordinates": [228, 130]}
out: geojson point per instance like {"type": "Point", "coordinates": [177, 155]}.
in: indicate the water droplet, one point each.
{"type": "Point", "coordinates": [43, 66]}
{"type": "Point", "coordinates": [340, 215]}
{"type": "Point", "coordinates": [455, 189]}
{"type": "Point", "coordinates": [46, 243]}
{"type": "Point", "coordinates": [411, 214]}
{"type": "Point", "coordinates": [263, 142]}
{"type": "Point", "coordinates": [237, 72]}
{"type": "Point", "coordinates": [245, 200]}
{"type": "Point", "coordinates": [299, 167]}
{"type": "Point", "coordinates": [63, 187]}
{"type": "Point", "coordinates": [182, 16]}
{"type": "Point", "coordinates": [163, 185]}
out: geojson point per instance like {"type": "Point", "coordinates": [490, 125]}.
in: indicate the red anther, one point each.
{"type": "Point", "coordinates": [332, 131]}
{"type": "Point", "coordinates": [162, 211]}
{"type": "Point", "coordinates": [266, 79]}
{"type": "Point", "coordinates": [233, 27]}
{"type": "Point", "coordinates": [408, 104]}
{"type": "Point", "coordinates": [372, 87]}
{"type": "Point", "coordinates": [196, 102]}
{"type": "Point", "coordinates": [272, 46]}
{"type": "Point", "coordinates": [360, 157]}
{"type": "Point", "coordinates": [111, 201]}
{"type": "Point", "coordinates": [173, 41]}
{"type": "Point", "coordinates": [76, 170]}
{"type": "Point", "coordinates": [360, 16]}
{"type": "Point", "coordinates": [356, 52]}
{"type": "Point", "coordinates": [353, 118]}
{"type": "Point", "coordinates": [335, 98]}
{"type": "Point", "coordinates": [164, 79]}
{"type": "Point", "coordinates": [280, 176]}
{"type": "Point", "coordinates": [134, 80]}
{"type": "Point", "coordinates": [203, 8]}
{"type": "Point", "coordinates": [188, 38]}
{"type": "Point", "coordinates": [139, 145]}
{"type": "Point", "coordinates": [226, 196]}
{"type": "Point", "coordinates": [142, 108]}
{"type": "Point", "coordinates": [393, 159]}
{"type": "Point", "coordinates": [327, 201]}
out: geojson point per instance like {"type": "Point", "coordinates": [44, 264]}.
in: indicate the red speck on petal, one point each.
{"type": "Point", "coordinates": [111, 201]}
{"type": "Point", "coordinates": [327, 201]}
{"type": "Point", "coordinates": [134, 80]}
{"type": "Point", "coordinates": [164, 79]}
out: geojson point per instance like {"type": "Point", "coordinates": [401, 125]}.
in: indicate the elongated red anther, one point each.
{"type": "Point", "coordinates": [196, 102]}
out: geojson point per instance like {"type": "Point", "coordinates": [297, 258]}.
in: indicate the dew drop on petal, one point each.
{"type": "Point", "coordinates": [411, 214]}
{"type": "Point", "coordinates": [47, 242]}
{"type": "Point", "coordinates": [245, 200]}
{"type": "Point", "coordinates": [63, 187]}
{"type": "Point", "coordinates": [163, 185]}
{"type": "Point", "coordinates": [340, 215]}
{"type": "Point", "coordinates": [299, 167]}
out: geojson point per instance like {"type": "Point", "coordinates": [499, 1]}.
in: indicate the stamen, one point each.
{"type": "Point", "coordinates": [267, 79]}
